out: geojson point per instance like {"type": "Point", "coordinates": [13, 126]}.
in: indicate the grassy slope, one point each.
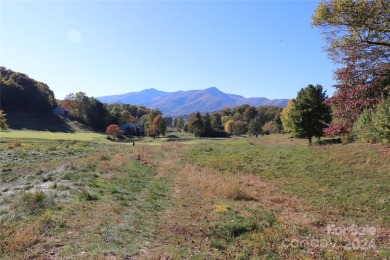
{"type": "Point", "coordinates": [227, 199]}
{"type": "Point", "coordinates": [30, 135]}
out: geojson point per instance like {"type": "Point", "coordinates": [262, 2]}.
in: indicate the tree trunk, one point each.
{"type": "Point", "coordinates": [310, 140]}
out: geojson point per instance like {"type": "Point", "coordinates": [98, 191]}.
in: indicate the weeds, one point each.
{"type": "Point", "coordinates": [35, 202]}
{"type": "Point", "coordinates": [14, 144]}
{"type": "Point", "coordinates": [86, 195]}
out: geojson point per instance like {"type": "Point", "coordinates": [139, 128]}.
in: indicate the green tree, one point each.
{"type": "Point", "coordinates": [240, 127]}
{"type": "Point", "coordinates": [180, 124]}
{"type": "Point", "coordinates": [125, 117]}
{"type": "Point", "coordinates": [310, 115]}
{"type": "Point", "coordinates": [363, 129]}
{"type": "Point", "coordinates": [254, 127]}
{"type": "Point", "coordinates": [249, 114]}
{"type": "Point", "coordinates": [382, 120]}
{"type": "Point", "coordinates": [216, 121]}
{"type": "Point", "coordinates": [225, 119]}
{"type": "Point", "coordinates": [3, 120]}
{"type": "Point", "coordinates": [168, 120]}
{"type": "Point", "coordinates": [196, 125]}
{"type": "Point", "coordinates": [174, 123]}
{"type": "Point", "coordinates": [207, 123]}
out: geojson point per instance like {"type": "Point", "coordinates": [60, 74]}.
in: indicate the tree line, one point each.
{"type": "Point", "coordinates": [20, 93]}
{"type": "Point", "coordinates": [240, 120]}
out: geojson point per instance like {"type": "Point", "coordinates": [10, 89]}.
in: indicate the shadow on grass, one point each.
{"type": "Point", "coordinates": [41, 122]}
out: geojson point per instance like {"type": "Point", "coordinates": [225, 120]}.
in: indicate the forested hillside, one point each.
{"type": "Point", "coordinates": [20, 93]}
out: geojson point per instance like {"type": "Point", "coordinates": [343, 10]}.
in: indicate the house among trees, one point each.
{"type": "Point", "coordinates": [133, 129]}
{"type": "Point", "coordinates": [60, 111]}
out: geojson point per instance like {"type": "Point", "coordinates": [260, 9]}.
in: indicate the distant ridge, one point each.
{"type": "Point", "coordinates": [186, 102]}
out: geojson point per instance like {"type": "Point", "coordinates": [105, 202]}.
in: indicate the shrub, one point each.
{"type": "Point", "coordinates": [86, 195]}
{"type": "Point", "coordinates": [34, 202]}
{"type": "Point", "coordinates": [382, 121]}
{"type": "Point", "coordinates": [218, 244]}
{"type": "Point", "coordinates": [374, 126]}
{"type": "Point", "coordinates": [364, 130]}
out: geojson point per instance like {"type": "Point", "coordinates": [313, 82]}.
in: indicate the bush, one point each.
{"type": "Point", "coordinates": [374, 126]}
{"type": "Point", "coordinates": [86, 195]}
{"type": "Point", "coordinates": [382, 121]}
{"type": "Point", "coordinates": [364, 130]}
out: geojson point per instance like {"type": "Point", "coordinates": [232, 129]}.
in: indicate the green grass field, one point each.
{"type": "Point", "coordinates": [30, 135]}
{"type": "Point", "coordinates": [79, 196]}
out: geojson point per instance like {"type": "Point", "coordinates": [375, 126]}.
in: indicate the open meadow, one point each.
{"type": "Point", "coordinates": [79, 196]}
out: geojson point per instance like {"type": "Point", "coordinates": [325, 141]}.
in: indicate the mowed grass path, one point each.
{"type": "Point", "coordinates": [28, 135]}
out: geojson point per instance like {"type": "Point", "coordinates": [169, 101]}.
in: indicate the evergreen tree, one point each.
{"type": "Point", "coordinates": [310, 115]}
{"type": "Point", "coordinates": [207, 124]}
{"type": "Point", "coordinates": [196, 125]}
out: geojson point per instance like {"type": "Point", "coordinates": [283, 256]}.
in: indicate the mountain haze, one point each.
{"type": "Point", "coordinates": [186, 102]}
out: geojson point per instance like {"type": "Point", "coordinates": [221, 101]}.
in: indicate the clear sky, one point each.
{"type": "Point", "coordinates": [250, 48]}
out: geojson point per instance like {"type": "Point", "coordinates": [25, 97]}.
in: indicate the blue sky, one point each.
{"type": "Point", "coordinates": [251, 48]}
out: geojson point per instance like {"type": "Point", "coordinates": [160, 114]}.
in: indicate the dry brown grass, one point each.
{"type": "Point", "coordinates": [14, 144]}
{"type": "Point", "coordinates": [17, 238]}
{"type": "Point", "coordinates": [215, 185]}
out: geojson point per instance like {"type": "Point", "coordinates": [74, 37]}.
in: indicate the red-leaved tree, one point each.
{"type": "Point", "coordinates": [114, 130]}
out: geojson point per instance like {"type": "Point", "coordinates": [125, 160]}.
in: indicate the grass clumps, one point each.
{"type": "Point", "coordinates": [34, 202]}
{"type": "Point", "coordinates": [87, 195]}
{"type": "Point", "coordinates": [237, 191]}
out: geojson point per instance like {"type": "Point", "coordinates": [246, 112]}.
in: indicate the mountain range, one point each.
{"type": "Point", "coordinates": [186, 102]}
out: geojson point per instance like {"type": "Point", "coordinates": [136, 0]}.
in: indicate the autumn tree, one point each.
{"type": "Point", "coordinates": [149, 122]}
{"type": "Point", "coordinates": [3, 120]}
{"type": "Point", "coordinates": [285, 117]}
{"type": "Point", "coordinates": [270, 128]}
{"type": "Point", "coordinates": [358, 37]}
{"type": "Point", "coordinates": [114, 130]}
{"type": "Point", "coordinates": [310, 115]}
{"type": "Point", "coordinates": [159, 126]}
{"type": "Point", "coordinates": [229, 127]}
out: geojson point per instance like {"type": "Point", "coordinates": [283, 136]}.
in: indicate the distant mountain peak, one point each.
{"type": "Point", "coordinates": [186, 102]}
